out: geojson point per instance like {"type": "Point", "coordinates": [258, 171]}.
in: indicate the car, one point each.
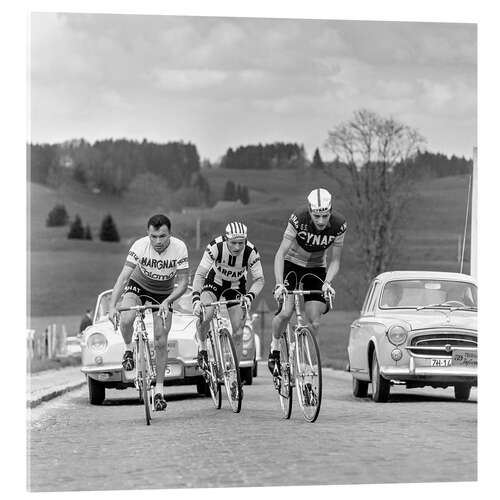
{"type": "Point", "coordinates": [103, 347]}
{"type": "Point", "coordinates": [416, 328]}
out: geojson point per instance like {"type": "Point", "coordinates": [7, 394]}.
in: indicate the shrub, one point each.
{"type": "Point", "coordinates": [76, 231]}
{"type": "Point", "coordinates": [88, 232]}
{"type": "Point", "coordinates": [57, 216]}
{"type": "Point", "coordinates": [108, 230]}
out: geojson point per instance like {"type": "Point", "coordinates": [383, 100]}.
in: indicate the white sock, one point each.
{"type": "Point", "coordinates": [129, 347]}
{"type": "Point", "coordinates": [159, 389]}
{"type": "Point", "coordinates": [275, 344]}
{"type": "Point", "coordinates": [203, 345]}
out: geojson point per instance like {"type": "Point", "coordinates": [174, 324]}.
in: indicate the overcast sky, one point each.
{"type": "Point", "coordinates": [225, 82]}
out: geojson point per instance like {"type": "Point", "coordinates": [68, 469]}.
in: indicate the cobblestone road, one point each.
{"type": "Point", "coordinates": [421, 435]}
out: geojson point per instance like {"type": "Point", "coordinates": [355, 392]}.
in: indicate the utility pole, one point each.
{"type": "Point", "coordinates": [473, 236]}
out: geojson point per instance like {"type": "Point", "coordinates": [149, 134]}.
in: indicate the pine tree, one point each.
{"type": "Point", "coordinates": [108, 230]}
{"type": "Point", "coordinates": [245, 197]}
{"type": "Point", "coordinates": [76, 231]}
{"type": "Point", "coordinates": [57, 216]}
{"type": "Point", "coordinates": [88, 232]}
{"type": "Point", "coordinates": [230, 191]}
{"type": "Point", "coordinates": [317, 162]}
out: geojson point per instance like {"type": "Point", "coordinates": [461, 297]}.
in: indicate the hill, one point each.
{"type": "Point", "coordinates": [65, 275]}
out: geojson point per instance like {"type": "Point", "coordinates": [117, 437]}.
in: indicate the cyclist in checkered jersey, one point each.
{"type": "Point", "coordinates": [301, 258]}
{"type": "Point", "coordinates": [222, 275]}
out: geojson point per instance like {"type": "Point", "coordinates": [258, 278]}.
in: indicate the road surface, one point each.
{"type": "Point", "coordinates": [421, 435]}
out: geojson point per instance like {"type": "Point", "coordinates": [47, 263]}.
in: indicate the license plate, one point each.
{"type": "Point", "coordinates": [441, 363]}
{"type": "Point", "coordinates": [467, 359]}
{"type": "Point", "coordinates": [173, 371]}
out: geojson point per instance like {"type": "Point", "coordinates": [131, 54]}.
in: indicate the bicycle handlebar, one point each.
{"type": "Point", "coordinates": [232, 302]}
{"type": "Point", "coordinates": [138, 308]}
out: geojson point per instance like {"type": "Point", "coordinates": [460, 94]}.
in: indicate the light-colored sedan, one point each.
{"type": "Point", "coordinates": [416, 328]}
{"type": "Point", "coordinates": [103, 348]}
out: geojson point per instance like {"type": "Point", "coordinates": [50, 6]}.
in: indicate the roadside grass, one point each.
{"type": "Point", "coordinates": [39, 365]}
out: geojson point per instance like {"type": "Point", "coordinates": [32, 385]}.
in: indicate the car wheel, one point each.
{"type": "Point", "coordinates": [246, 375]}
{"type": "Point", "coordinates": [254, 368]}
{"type": "Point", "coordinates": [359, 388]}
{"type": "Point", "coordinates": [380, 386]}
{"type": "Point", "coordinates": [462, 392]}
{"type": "Point", "coordinates": [97, 391]}
{"type": "Point", "coordinates": [202, 387]}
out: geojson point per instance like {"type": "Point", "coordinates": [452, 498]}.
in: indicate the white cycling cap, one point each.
{"type": "Point", "coordinates": [320, 201]}
{"type": "Point", "coordinates": [236, 230]}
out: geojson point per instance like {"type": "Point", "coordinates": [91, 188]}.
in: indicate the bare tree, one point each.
{"type": "Point", "coordinates": [370, 155]}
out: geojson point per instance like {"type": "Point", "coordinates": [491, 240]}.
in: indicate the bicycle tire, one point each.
{"type": "Point", "coordinates": [285, 390]}
{"type": "Point", "coordinates": [213, 374]}
{"type": "Point", "coordinates": [308, 364]}
{"type": "Point", "coordinates": [143, 380]}
{"type": "Point", "coordinates": [230, 370]}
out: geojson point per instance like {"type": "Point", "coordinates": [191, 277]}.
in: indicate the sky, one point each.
{"type": "Point", "coordinates": [222, 82]}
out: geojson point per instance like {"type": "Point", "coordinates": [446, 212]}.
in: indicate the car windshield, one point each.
{"type": "Point", "coordinates": [431, 293]}
{"type": "Point", "coordinates": [182, 305]}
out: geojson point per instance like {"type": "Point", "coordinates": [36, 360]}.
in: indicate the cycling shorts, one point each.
{"type": "Point", "coordinates": [223, 293]}
{"type": "Point", "coordinates": [144, 295]}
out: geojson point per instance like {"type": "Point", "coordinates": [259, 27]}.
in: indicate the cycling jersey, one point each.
{"type": "Point", "coordinates": [153, 271]}
{"type": "Point", "coordinates": [228, 271]}
{"type": "Point", "coordinates": [309, 245]}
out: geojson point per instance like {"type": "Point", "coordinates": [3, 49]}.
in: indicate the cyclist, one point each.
{"type": "Point", "coordinates": [222, 272]}
{"type": "Point", "coordinates": [301, 257]}
{"type": "Point", "coordinates": [153, 264]}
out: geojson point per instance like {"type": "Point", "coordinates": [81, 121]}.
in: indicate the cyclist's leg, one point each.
{"type": "Point", "coordinates": [314, 305]}
{"type": "Point", "coordinates": [127, 328]}
{"type": "Point", "coordinates": [237, 319]}
{"type": "Point", "coordinates": [161, 343]}
{"type": "Point", "coordinates": [202, 327]}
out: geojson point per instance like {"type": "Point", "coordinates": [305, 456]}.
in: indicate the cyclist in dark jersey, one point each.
{"type": "Point", "coordinates": [301, 258]}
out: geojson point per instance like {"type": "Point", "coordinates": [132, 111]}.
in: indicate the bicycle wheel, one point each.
{"type": "Point", "coordinates": [212, 376]}
{"type": "Point", "coordinates": [285, 389]}
{"type": "Point", "coordinates": [308, 374]}
{"type": "Point", "coordinates": [230, 370]}
{"type": "Point", "coordinates": [143, 379]}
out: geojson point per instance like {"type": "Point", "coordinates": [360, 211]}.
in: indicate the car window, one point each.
{"type": "Point", "coordinates": [367, 298]}
{"type": "Point", "coordinates": [184, 304]}
{"type": "Point", "coordinates": [373, 298]}
{"type": "Point", "coordinates": [421, 292]}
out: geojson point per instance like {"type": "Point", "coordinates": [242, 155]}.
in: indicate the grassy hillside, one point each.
{"type": "Point", "coordinates": [65, 275]}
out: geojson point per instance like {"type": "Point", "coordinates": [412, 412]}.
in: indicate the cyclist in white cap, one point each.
{"type": "Point", "coordinates": [301, 258]}
{"type": "Point", "coordinates": [222, 274]}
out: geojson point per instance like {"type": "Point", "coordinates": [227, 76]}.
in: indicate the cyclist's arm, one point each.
{"type": "Point", "coordinates": [257, 273]}
{"type": "Point", "coordinates": [182, 284]}
{"type": "Point", "coordinates": [334, 265]}
{"type": "Point", "coordinates": [123, 277]}
{"type": "Point", "coordinates": [279, 258]}
{"type": "Point", "coordinates": [202, 270]}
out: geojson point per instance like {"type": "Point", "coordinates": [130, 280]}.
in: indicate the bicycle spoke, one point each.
{"type": "Point", "coordinates": [230, 371]}
{"type": "Point", "coordinates": [212, 373]}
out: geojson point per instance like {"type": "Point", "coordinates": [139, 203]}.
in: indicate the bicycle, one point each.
{"type": "Point", "coordinates": [222, 360]}
{"type": "Point", "coordinates": [145, 371]}
{"type": "Point", "coordinates": [300, 364]}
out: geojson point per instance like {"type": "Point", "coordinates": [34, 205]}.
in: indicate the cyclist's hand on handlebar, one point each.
{"type": "Point", "coordinates": [197, 309]}
{"type": "Point", "coordinates": [279, 290]}
{"type": "Point", "coordinates": [164, 308]}
{"type": "Point", "coordinates": [113, 316]}
{"type": "Point", "coordinates": [328, 289]}
{"type": "Point", "coordinates": [247, 301]}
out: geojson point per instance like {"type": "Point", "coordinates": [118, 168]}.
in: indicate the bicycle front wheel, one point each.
{"type": "Point", "coordinates": [230, 370]}
{"type": "Point", "coordinates": [284, 383]}
{"type": "Point", "coordinates": [213, 373]}
{"type": "Point", "coordinates": [308, 374]}
{"type": "Point", "coordinates": [144, 379]}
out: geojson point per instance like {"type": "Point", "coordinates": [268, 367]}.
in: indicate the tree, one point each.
{"type": "Point", "coordinates": [245, 197]}
{"type": "Point", "coordinates": [229, 191]}
{"type": "Point", "coordinates": [108, 230]}
{"type": "Point", "coordinates": [76, 231]}
{"type": "Point", "coordinates": [88, 233]}
{"type": "Point", "coordinates": [367, 149]}
{"type": "Point", "coordinates": [317, 162]}
{"type": "Point", "coordinates": [57, 216]}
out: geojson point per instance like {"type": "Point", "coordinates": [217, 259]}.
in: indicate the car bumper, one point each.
{"type": "Point", "coordinates": [430, 374]}
{"type": "Point", "coordinates": [114, 373]}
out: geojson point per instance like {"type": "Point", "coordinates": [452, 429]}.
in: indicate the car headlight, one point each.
{"type": "Point", "coordinates": [397, 334]}
{"type": "Point", "coordinates": [97, 342]}
{"type": "Point", "coordinates": [247, 333]}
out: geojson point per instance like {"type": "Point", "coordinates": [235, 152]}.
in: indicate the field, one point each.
{"type": "Point", "coordinates": [66, 275]}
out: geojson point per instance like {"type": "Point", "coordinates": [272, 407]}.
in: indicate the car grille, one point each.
{"type": "Point", "coordinates": [440, 343]}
